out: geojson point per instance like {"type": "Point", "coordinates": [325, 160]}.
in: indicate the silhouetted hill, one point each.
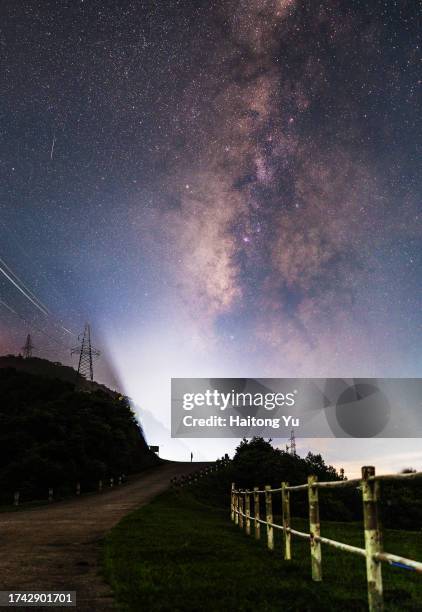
{"type": "Point", "coordinates": [50, 369]}
{"type": "Point", "coordinates": [54, 435]}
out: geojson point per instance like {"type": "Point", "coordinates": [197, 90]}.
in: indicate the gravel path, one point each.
{"type": "Point", "coordinates": [57, 547]}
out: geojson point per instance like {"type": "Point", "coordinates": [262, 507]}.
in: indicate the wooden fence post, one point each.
{"type": "Point", "coordinates": [232, 508]}
{"type": "Point", "coordinates": [372, 539]}
{"type": "Point", "coordinates": [111, 482]}
{"type": "Point", "coordinates": [241, 510]}
{"type": "Point", "coordinates": [50, 495]}
{"type": "Point", "coordinates": [256, 513]}
{"type": "Point", "coordinates": [314, 529]}
{"type": "Point", "coordinates": [248, 513]}
{"type": "Point", "coordinates": [16, 498]}
{"type": "Point", "coordinates": [269, 517]}
{"type": "Point", "coordinates": [100, 486]}
{"type": "Point", "coordinates": [78, 488]}
{"type": "Point", "coordinates": [236, 508]}
{"type": "Point", "coordinates": [285, 505]}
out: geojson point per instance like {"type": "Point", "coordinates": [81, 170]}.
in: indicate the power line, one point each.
{"type": "Point", "coordinates": [19, 288]}
{"type": "Point", "coordinates": [27, 289]}
{"type": "Point", "coordinates": [87, 352]}
{"type": "Point", "coordinates": [15, 237]}
{"type": "Point", "coordinates": [33, 325]}
{"type": "Point", "coordinates": [8, 307]}
{"type": "Point", "coordinates": [18, 283]}
{"type": "Point", "coordinates": [30, 295]}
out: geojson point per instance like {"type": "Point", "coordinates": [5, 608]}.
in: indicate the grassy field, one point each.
{"type": "Point", "coordinates": [178, 554]}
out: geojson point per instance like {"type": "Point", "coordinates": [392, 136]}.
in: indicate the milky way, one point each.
{"type": "Point", "coordinates": [233, 186]}
{"type": "Point", "coordinates": [281, 208]}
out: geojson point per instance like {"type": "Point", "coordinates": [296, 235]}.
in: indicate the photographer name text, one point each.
{"type": "Point", "coordinates": [238, 421]}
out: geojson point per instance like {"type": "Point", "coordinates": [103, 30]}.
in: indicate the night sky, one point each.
{"type": "Point", "coordinates": [221, 188]}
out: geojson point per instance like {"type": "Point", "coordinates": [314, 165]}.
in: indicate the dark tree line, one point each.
{"type": "Point", "coordinates": [257, 463]}
{"type": "Point", "coordinates": [52, 435]}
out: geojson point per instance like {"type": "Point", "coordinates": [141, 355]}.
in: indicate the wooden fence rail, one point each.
{"type": "Point", "coordinates": [194, 477]}
{"type": "Point", "coordinates": [373, 553]}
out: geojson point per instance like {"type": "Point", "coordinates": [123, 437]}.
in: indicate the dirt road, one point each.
{"type": "Point", "coordinates": [57, 547]}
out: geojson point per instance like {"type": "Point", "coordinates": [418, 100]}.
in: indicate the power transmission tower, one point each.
{"type": "Point", "coordinates": [291, 448]}
{"type": "Point", "coordinates": [87, 353]}
{"type": "Point", "coordinates": [28, 347]}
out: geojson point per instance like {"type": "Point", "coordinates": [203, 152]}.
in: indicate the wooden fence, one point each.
{"type": "Point", "coordinates": [194, 477]}
{"type": "Point", "coordinates": [369, 485]}
{"type": "Point", "coordinates": [100, 487]}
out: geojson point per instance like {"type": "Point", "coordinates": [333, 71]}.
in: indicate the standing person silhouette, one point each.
{"type": "Point", "coordinates": [191, 457]}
